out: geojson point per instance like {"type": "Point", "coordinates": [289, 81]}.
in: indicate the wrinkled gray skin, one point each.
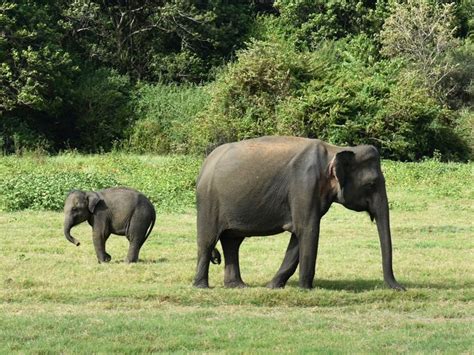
{"type": "Point", "coordinates": [268, 185]}
{"type": "Point", "coordinates": [118, 210]}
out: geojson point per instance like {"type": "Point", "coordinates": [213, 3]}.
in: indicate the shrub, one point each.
{"type": "Point", "coordinates": [310, 22]}
{"type": "Point", "coordinates": [246, 96]}
{"type": "Point", "coordinates": [339, 93]}
{"type": "Point", "coordinates": [39, 182]}
{"type": "Point", "coordinates": [47, 190]}
{"type": "Point", "coordinates": [101, 109]}
{"type": "Point", "coordinates": [168, 181]}
{"type": "Point", "coordinates": [422, 32]}
{"type": "Point", "coordinates": [164, 113]}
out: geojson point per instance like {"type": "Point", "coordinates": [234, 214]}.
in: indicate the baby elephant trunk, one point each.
{"type": "Point", "coordinates": [67, 232]}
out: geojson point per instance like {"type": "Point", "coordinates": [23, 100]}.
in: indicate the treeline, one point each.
{"type": "Point", "coordinates": [154, 76]}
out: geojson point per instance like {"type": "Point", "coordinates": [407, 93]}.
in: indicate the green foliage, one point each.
{"type": "Point", "coordinates": [42, 183]}
{"type": "Point", "coordinates": [168, 181]}
{"type": "Point", "coordinates": [464, 21]}
{"type": "Point", "coordinates": [460, 80]}
{"type": "Point", "coordinates": [47, 190]}
{"type": "Point", "coordinates": [340, 93]}
{"type": "Point", "coordinates": [245, 97]}
{"type": "Point", "coordinates": [311, 22]}
{"type": "Point", "coordinates": [309, 68]}
{"type": "Point", "coordinates": [102, 110]}
{"type": "Point", "coordinates": [422, 32]}
{"type": "Point", "coordinates": [159, 40]}
{"type": "Point", "coordinates": [53, 85]}
{"type": "Point", "coordinates": [36, 73]}
{"type": "Point", "coordinates": [164, 115]}
{"type": "Point", "coordinates": [38, 182]}
{"type": "Point", "coordinates": [418, 178]}
{"type": "Point", "coordinates": [17, 136]}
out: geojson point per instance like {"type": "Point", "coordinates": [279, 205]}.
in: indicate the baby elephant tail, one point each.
{"type": "Point", "coordinates": [215, 257]}
{"type": "Point", "coordinates": [152, 224]}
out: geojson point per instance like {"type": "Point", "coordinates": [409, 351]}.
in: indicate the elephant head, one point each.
{"type": "Point", "coordinates": [78, 207]}
{"type": "Point", "coordinates": [361, 187]}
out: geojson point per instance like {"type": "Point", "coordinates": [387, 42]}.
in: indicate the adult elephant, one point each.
{"type": "Point", "coordinates": [268, 185]}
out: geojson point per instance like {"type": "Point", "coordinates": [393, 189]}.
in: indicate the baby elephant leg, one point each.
{"type": "Point", "coordinates": [133, 251]}
{"type": "Point", "coordinates": [137, 234]}
{"type": "Point", "coordinates": [99, 239]}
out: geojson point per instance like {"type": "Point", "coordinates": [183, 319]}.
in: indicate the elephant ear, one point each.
{"type": "Point", "coordinates": [341, 165]}
{"type": "Point", "coordinates": [93, 199]}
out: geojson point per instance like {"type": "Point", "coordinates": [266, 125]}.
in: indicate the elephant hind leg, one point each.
{"type": "Point", "coordinates": [133, 252]}
{"type": "Point", "coordinates": [230, 246]}
{"type": "Point", "coordinates": [137, 235]}
{"type": "Point", "coordinates": [206, 242]}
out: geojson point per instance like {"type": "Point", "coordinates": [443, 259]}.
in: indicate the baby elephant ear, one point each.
{"type": "Point", "coordinates": [341, 165]}
{"type": "Point", "coordinates": [93, 199]}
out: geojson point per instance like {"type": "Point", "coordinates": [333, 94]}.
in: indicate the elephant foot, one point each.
{"type": "Point", "coordinates": [235, 284]}
{"type": "Point", "coordinates": [201, 284]}
{"type": "Point", "coordinates": [396, 286]}
{"type": "Point", "coordinates": [106, 258]}
{"type": "Point", "coordinates": [276, 284]}
{"type": "Point", "coordinates": [307, 285]}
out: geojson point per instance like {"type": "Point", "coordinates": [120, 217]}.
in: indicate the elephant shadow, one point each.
{"type": "Point", "coordinates": [355, 286]}
{"type": "Point", "coordinates": [363, 285]}
{"type": "Point", "coordinates": [146, 261]}
{"type": "Point", "coordinates": [155, 261]}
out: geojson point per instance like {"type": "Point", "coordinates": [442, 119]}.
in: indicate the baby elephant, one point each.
{"type": "Point", "coordinates": [120, 210]}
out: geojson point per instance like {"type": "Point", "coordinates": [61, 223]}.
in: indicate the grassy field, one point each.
{"type": "Point", "coordinates": [54, 297]}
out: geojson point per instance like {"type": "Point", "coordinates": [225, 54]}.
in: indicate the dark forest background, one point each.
{"type": "Point", "coordinates": [152, 76]}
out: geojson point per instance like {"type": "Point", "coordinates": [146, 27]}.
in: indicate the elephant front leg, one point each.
{"type": "Point", "coordinates": [308, 249]}
{"type": "Point", "coordinates": [288, 266]}
{"type": "Point", "coordinates": [99, 240]}
{"type": "Point", "coordinates": [232, 276]}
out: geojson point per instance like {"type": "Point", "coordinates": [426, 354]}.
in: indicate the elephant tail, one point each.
{"type": "Point", "coordinates": [152, 224]}
{"type": "Point", "coordinates": [215, 256]}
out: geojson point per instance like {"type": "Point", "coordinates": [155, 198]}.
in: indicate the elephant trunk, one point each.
{"type": "Point", "coordinates": [68, 224]}
{"type": "Point", "coordinates": [382, 218]}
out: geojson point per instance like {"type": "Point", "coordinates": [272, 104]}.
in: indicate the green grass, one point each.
{"type": "Point", "coordinates": [54, 297]}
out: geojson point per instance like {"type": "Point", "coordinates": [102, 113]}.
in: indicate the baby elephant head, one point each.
{"type": "Point", "coordinates": [78, 207]}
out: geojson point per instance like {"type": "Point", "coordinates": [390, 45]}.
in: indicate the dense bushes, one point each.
{"type": "Point", "coordinates": [339, 93]}
{"type": "Point", "coordinates": [164, 115]}
{"type": "Point", "coordinates": [154, 77]}
{"type": "Point", "coordinates": [102, 112]}
{"type": "Point", "coordinates": [47, 190]}
{"type": "Point", "coordinates": [314, 74]}
{"type": "Point", "coordinates": [43, 183]}
{"type": "Point", "coordinates": [66, 66]}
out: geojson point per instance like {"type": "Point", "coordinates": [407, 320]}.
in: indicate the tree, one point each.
{"type": "Point", "coordinates": [422, 32]}
{"type": "Point", "coordinates": [311, 22]}
{"type": "Point", "coordinates": [155, 39]}
{"type": "Point", "coordinates": [36, 72]}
